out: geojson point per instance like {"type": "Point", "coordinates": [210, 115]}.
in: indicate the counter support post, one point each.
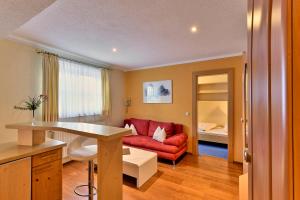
{"type": "Point", "coordinates": [29, 137]}
{"type": "Point", "coordinates": [110, 167]}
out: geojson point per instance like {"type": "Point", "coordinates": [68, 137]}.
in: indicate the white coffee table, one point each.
{"type": "Point", "coordinates": [139, 164]}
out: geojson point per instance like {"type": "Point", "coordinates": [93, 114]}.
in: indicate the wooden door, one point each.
{"type": "Point", "coordinates": [280, 100]}
{"type": "Point", "coordinates": [47, 175]}
{"type": "Point", "coordinates": [270, 169]}
{"type": "Point", "coordinates": [46, 181]}
{"type": "Point", "coordinates": [260, 164]}
{"type": "Point", "coordinates": [15, 183]}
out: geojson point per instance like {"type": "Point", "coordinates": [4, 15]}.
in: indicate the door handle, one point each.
{"type": "Point", "coordinates": [247, 156]}
{"type": "Point", "coordinates": [244, 120]}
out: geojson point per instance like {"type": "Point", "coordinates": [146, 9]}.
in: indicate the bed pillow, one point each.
{"type": "Point", "coordinates": [159, 134]}
{"type": "Point", "coordinates": [205, 126]}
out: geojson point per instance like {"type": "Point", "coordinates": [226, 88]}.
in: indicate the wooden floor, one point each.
{"type": "Point", "coordinates": [201, 178]}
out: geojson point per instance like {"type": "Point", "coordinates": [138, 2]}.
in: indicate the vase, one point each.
{"type": "Point", "coordinates": [33, 118]}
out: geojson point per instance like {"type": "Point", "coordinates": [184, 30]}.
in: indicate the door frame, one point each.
{"type": "Point", "coordinates": [230, 74]}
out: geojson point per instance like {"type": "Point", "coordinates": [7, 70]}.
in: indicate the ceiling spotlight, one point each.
{"type": "Point", "coordinates": [194, 29]}
{"type": "Point", "coordinates": [114, 50]}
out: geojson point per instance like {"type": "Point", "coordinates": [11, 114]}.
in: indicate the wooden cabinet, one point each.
{"type": "Point", "coordinates": [10, 172]}
{"type": "Point", "coordinates": [47, 175]}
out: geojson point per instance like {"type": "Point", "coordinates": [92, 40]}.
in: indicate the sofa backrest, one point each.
{"type": "Point", "coordinates": [147, 127]}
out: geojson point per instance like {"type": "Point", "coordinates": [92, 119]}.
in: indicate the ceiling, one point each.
{"type": "Point", "coordinates": [14, 13]}
{"type": "Point", "coordinates": [145, 33]}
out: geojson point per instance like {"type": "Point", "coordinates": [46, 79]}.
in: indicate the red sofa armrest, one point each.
{"type": "Point", "coordinates": [176, 140]}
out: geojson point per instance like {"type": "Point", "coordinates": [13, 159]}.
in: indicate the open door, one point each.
{"type": "Point", "coordinates": [270, 137]}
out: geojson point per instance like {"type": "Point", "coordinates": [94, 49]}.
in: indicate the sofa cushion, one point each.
{"type": "Point", "coordinates": [176, 140]}
{"type": "Point", "coordinates": [178, 128]}
{"type": "Point", "coordinates": [148, 143]}
{"type": "Point", "coordinates": [140, 125]}
{"type": "Point", "coordinates": [169, 127]}
{"type": "Point", "coordinates": [127, 121]}
{"type": "Point", "coordinates": [166, 155]}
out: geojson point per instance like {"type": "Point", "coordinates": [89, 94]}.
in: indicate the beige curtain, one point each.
{"type": "Point", "coordinates": [106, 100]}
{"type": "Point", "coordinates": [50, 87]}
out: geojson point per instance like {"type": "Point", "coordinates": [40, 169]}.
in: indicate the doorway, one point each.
{"type": "Point", "coordinates": [213, 113]}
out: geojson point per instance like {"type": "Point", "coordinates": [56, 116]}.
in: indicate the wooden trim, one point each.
{"type": "Point", "coordinates": [230, 73]}
{"type": "Point", "coordinates": [249, 66]}
{"type": "Point", "coordinates": [296, 96]}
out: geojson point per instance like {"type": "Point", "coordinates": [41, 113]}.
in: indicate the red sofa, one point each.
{"type": "Point", "coordinates": [171, 149]}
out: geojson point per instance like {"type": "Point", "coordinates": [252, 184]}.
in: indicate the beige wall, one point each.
{"type": "Point", "coordinates": [182, 95]}
{"type": "Point", "coordinates": [117, 96]}
{"type": "Point", "coordinates": [213, 112]}
{"type": "Point", "coordinates": [21, 76]}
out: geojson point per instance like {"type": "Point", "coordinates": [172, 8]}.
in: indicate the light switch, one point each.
{"type": "Point", "coordinates": [187, 113]}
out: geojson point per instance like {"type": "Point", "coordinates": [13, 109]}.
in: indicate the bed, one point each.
{"type": "Point", "coordinates": [213, 133]}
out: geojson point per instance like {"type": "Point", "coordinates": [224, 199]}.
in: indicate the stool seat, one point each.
{"type": "Point", "coordinates": [83, 153]}
{"type": "Point", "coordinates": [85, 149]}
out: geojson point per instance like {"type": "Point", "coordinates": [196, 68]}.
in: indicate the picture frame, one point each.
{"type": "Point", "coordinates": [158, 92]}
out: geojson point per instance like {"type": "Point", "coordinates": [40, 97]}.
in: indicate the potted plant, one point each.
{"type": "Point", "coordinates": [32, 103]}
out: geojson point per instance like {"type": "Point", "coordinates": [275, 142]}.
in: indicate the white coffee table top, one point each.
{"type": "Point", "coordinates": [138, 156]}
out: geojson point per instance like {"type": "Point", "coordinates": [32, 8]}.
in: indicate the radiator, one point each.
{"type": "Point", "coordinates": [64, 137]}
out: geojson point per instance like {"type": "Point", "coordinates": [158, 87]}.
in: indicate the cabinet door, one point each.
{"type": "Point", "coordinates": [15, 180]}
{"type": "Point", "coordinates": [47, 181]}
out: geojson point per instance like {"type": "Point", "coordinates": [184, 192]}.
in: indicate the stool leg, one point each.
{"type": "Point", "coordinates": [91, 179]}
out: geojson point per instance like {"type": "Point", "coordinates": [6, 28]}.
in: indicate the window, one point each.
{"type": "Point", "coordinates": [80, 89]}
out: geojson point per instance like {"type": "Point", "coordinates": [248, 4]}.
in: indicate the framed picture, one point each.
{"type": "Point", "coordinates": [158, 91]}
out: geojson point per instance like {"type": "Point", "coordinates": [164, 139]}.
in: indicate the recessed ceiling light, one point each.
{"type": "Point", "coordinates": [194, 29]}
{"type": "Point", "coordinates": [114, 50]}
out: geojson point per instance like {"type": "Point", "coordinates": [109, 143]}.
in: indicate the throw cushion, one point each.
{"type": "Point", "coordinates": [141, 126]}
{"type": "Point", "coordinates": [169, 127]}
{"type": "Point", "coordinates": [134, 132]}
{"type": "Point", "coordinates": [159, 134]}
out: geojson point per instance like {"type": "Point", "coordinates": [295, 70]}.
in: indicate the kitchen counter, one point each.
{"type": "Point", "coordinates": [109, 158]}
{"type": "Point", "coordinates": [11, 151]}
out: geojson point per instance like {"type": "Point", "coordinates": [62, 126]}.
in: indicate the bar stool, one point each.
{"type": "Point", "coordinates": [84, 149]}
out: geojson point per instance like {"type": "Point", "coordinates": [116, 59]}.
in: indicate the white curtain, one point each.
{"type": "Point", "coordinates": [80, 89]}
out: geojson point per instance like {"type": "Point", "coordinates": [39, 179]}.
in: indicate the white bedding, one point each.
{"type": "Point", "coordinates": [217, 131]}
{"type": "Point", "coordinates": [205, 126]}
